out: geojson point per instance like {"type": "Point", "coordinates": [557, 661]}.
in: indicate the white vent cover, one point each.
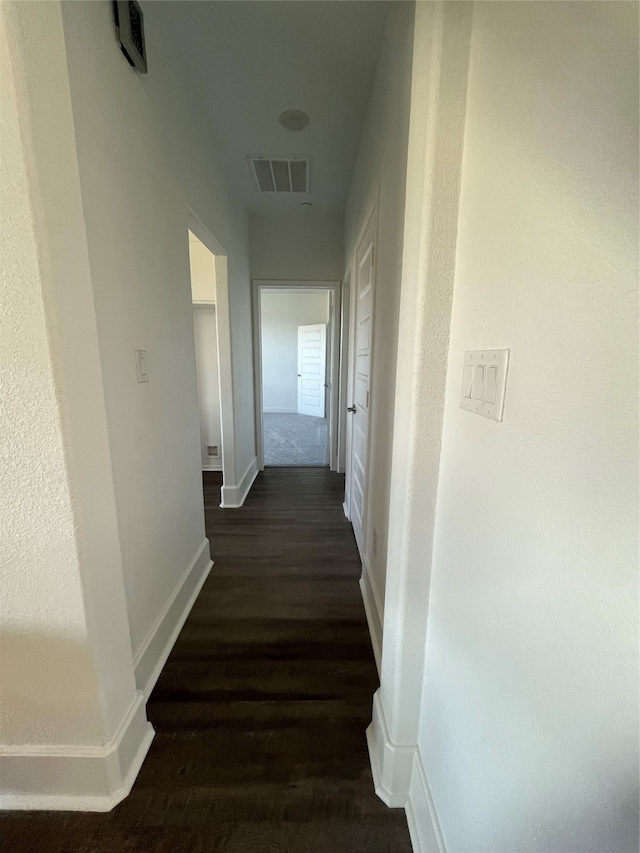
{"type": "Point", "coordinates": [279, 175]}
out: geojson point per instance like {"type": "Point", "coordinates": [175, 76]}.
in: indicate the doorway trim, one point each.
{"type": "Point", "coordinates": [344, 395]}
{"type": "Point", "coordinates": [223, 329]}
{"type": "Point", "coordinates": [333, 372]}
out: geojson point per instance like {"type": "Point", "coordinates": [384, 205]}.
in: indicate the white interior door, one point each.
{"type": "Point", "coordinates": [363, 340]}
{"type": "Point", "coordinates": [312, 368]}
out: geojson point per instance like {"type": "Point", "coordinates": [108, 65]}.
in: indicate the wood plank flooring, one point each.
{"type": "Point", "coordinates": [261, 710]}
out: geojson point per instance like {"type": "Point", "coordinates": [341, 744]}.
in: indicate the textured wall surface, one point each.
{"type": "Point", "coordinates": [442, 33]}
{"type": "Point", "coordinates": [43, 648]}
{"type": "Point", "coordinates": [144, 160]}
{"type": "Point", "coordinates": [49, 669]}
{"type": "Point", "coordinates": [529, 717]}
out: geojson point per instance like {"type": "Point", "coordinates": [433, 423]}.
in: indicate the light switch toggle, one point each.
{"type": "Point", "coordinates": [477, 389]}
{"type": "Point", "coordinates": [491, 384]}
{"type": "Point", "coordinates": [484, 378]}
{"type": "Point", "coordinates": [141, 365]}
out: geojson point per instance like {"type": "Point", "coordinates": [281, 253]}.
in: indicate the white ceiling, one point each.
{"type": "Point", "coordinates": [248, 60]}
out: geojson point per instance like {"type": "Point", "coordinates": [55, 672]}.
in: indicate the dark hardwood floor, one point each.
{"type": "Point", "coordinates": [261, 710]}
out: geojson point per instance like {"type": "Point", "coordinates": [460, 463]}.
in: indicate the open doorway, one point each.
{"type": "Point", "coordinates": [212, 339]}
{"type": "Point", "coordinates": [297, 354]}
{"type": "Point", "coordinates": [203, 298]}
{"type": "Point", "coordinates": [294, 377]}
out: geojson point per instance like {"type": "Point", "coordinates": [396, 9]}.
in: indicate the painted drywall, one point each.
{"type": "Point", "coordinates": [44, 644]}
{"type": "Point", "coordinates": [438, 107]}
{"type": "Point", "coordinates": [281, 314]}
{"type": "Point", "coordinates": [69, 701]}
{"type": "Point", "coordinates": [379, 180]}
{"type": "Point", "coordinates": [206, 341]}
{"type": "Point", "coordinates": [529, 712]}
{"type": "Point", "coordinates": [203, 294]}
{"type": "Point", "coordinates": [145, 158]}
{"type": "Point", "coordinates": [202, 271]}
{"type": "Point", "coordinates": [249, 61]}
{"type": "Point", "coordinates": [304, 244]}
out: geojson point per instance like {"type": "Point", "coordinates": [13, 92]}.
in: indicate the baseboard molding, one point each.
{"type": "Point", "coordinates": [391, 764]}
{"type": "Point", "coordinates": [77, 778]}
{"type": "Point", "coordinates": [269, 411]}
{"type": "Point", "coordinates": [156, 648]}
{"type": "Point", "coordinates": [373, 610]}
{"type": "Point", "coordinates": [345, 510]}
{"type": "Point", "coordinates": [214, 465]}
{"type": "Point", "coordinates": [424, 826]}
{"type": "Point", "coordinates": [233, 497]}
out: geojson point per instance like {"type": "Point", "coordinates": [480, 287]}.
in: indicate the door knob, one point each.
{"type": "Point", "coordinates": [351, 408]}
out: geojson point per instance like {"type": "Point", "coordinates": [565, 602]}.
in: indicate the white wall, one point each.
{"type": "Point", "coordinates": [303, 244]}
{"type": "Point", "coordinates": [379, 179]}
{"type": "Point", "coordinates": [529, 717]}
{"type": "Point", "coordinates": [438, 103]}
{"type": "Point", "coordinates": [72, 729]}
{"type": "Point", "coordinates": [202, 271]}
{"type": "Point", "coordinates": [281, 314]}
{"type": "Point", "coordinates": [205, 333]}
{"type": "Point", "coordinates": [39, 548]}
{"type": "Point", "coordinates": [203, 293]}
{"type": "Point", "coordinates": [145, 158]}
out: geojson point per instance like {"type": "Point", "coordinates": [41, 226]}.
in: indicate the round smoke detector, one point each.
{"type": "Point", "coordinates": [294, 120]}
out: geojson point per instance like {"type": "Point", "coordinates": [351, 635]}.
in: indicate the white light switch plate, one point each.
{"type": "Point", "coordinates": [484, 380]}
{"type": "Point", "coordinates": [141, 365]}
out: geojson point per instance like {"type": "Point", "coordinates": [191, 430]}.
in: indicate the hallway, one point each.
{"type": "Point", "coordinates": [458, 181]}
{"type": "Point", "coordinates": [261, 710]}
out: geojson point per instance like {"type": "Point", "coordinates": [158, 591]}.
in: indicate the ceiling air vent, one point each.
{"type": "Point", "coordinates": [279, 175]}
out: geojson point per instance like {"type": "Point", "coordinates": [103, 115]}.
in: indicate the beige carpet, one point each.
{"type": "Point", "coordinates": [299, 440]}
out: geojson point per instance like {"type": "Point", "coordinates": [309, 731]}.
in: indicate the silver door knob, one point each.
{"type": "Point", "coordinates": [351, 409]}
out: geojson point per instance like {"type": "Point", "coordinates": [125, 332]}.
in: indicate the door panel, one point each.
{"type": "Point", "coordinates": [364, 289]}
{"type": "Point", "coordinates": [312, 363]}
{"type": "Point", "coordinates": [361, 392]}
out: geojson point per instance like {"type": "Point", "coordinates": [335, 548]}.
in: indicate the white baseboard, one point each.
{"type": "Point", "coordinates": [156, 648]}
{"type": "Point", "coordinates": [373, 609]}
{"type": "Point", "coordinates": [424, 826]}
{"type": "Point", "coordinates": [212, 465]}
{"type": "Point", "coordinates": [269, 411]}
{"type": "Point", "coordinates": [391, 763]}
{"type": "Point", "coordinates": [233, 497]}
{"type": "Point", "coordinates": [345, 510]}
{"type": "Point", "coordinates": [400, 781]}
{"type": "Point", "coordinates": [77, 778]}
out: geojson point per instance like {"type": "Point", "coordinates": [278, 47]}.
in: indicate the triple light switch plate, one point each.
{"type": "Point", "coordinates": [484, 379]}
